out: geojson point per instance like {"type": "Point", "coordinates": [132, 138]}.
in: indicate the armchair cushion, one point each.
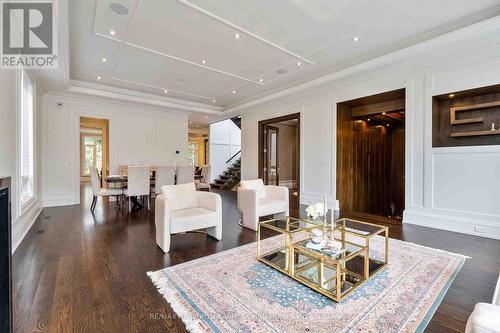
{"type": "Point", "coordinates": [268, 206]}
{"type": "Point", "coordinates": [181, 196]}
{"type": "Point", "coordinates": [257, 185]}
{"type": "Point", "coordinates": [192, 219]}
{"type": "Point", "coordinates": [484, 319]}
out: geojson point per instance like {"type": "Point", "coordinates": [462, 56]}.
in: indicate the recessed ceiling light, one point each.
{"type": "Point", "coordinates": [383, 113]}
{"type": "Point", "coordinates": [261, 80]}
{"type": "Point", "coordinates": [387, 125]}
{"type": "Point", "coordinates": [112, 32]}
{"type": "Point", "coordinates": [203, 61]}
{"type": "Point", "coordinates": [234, 91]}
{"type": "Point", "coordinates": [165, 91]}
{"type": "Point", "coordinates": [368, 119]}
{"type": "Point", "coordinates": [206, 117]}
{"type": "Point", "coordinates": [99, 77]}
{"type": "Point", "coordinates": [236, 36]}
{"type": "Point", "coordinates": [118, 8]}
{"type": "Point", "coordinates": [451, 95]}
{"type": "Point", "coordinates": [355, 38]}
{"type": "Point", "coordinates": [104, 59]}
{"type": "Point", "coordinates": [299, 63]}
{"type": "Point", "coordinates": [213, 101]}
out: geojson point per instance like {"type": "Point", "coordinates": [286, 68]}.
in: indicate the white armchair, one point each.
{"type": "Point", "coordinates": [486, 317]}
{"type": "Point", "coordinates": [180, 208]}
{"type": "Point", "coordinates": [256, 199]}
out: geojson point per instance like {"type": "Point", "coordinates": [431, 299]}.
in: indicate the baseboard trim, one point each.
{"type": "Point", "coordinates": [23, 224]}
{"type": "Point", "coordinates": [452, 223]}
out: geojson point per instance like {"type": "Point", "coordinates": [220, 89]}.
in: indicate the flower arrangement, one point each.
{"type": "Point", "coordinates": [316, 210]}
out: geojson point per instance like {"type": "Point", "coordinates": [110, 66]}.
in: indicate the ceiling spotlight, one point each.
{"type": "Point", "coordinates": [355, 38]}
{"type": "Point", "coordinates": [236, 36]}
{"type": "Point", "coordinates": [387, 125]}
{"type": "Point", "coordinates": [234, 91]}
{"type": "Point", "coordinates": [206, 117]}
{"type": "Point", "coordinates": [165, 91]}
{"type": "Point", "coordinates": [368, 119]}
{"type": "Point", "coordinates": [451, 95]}
{"type": "Point", "coordinates": [299, 63]}
{"type": "Point", "coordinates": [203, 61]}
{"type": "Point", "coordinates": [112, 32]}
{"type": "Point", "coordinates": [383, 113]}
{"type": "Point", "coordinates": [213, 101]}
{"type": "Point", "coordinates": [99, 77]}
{"type": "Point", "coordinates": [261, 80]}
{"type": "Point", "coordinates": [104, 59]}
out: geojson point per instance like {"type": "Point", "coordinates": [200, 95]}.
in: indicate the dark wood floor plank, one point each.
{"type": "Point", "coordinates": [83, 272]}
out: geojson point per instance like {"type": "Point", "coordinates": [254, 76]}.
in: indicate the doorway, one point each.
{"type": "Point", "coordinates": [371, 157]}
{"type": "Point", "coordinates": [93, 146]}
{"type": "Point", "coordinates": [279, 154]}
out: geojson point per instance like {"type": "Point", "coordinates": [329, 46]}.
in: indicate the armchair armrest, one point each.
{"type": "Point", "coordinates": [162, 222]}
{"type": "Point", "coordinates": [277, 192]}
{"type": "Point", "coordinates": [247, 199]}
{"type": "Point", "coordinates": [209, 200]}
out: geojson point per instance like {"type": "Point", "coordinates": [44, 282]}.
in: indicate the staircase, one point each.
{"type": "Point", "coordinates": [230, 177]}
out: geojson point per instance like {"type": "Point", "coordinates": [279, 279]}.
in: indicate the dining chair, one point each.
{"type": "Point", "coordinates": [164, 175]}
{"type": "Point", "coordinates": [137, 183]}
{"type": "Point", "coordinates": [98, 191]}
{"type": "Point", "coordinates": [204, 182]}
{"type": "Point", "coordinates": [185, 174]}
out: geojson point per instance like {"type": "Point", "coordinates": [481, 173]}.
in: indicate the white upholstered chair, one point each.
{"type": "Point", "coordinates": [486, 317]}
{"type": "Point", "coordinates": [99, 191]}
{"type": "Point", "coordinates": [204, 183]}
{"type": "Point", "coordinates": [164, 175]}
{"type": "Point", "coordinates": [185, 174]}
{"type": "Point", "coordinates": [138, 183]}
{"type": "Point", "coordinates": [180, 208]}
{"type": "Point", "coordinates": [256, 199]}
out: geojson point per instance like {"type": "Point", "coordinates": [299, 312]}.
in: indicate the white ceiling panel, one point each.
{"type": "Point", "coordinates": [161, 44]}
{"type": "Point", "coordinates": [156, 70]}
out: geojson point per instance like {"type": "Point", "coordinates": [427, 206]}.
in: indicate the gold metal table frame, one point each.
{"type": "Point", "coordinates": [335, 277]}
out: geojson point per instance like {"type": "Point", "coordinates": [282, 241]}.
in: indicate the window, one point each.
{"type": "Point", "coordinates": [192, 153]}
{"type": "Point", "coordinates": [91, 153]}
{"type": "Point", "coordinates": [27, 158]}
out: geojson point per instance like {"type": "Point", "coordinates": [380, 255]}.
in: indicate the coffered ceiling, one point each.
{"type": "Point", "coordinates": [221, 53]}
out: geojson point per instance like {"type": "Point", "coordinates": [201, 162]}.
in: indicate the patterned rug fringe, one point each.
{"type": "Point", "coordinates": [169, 294]}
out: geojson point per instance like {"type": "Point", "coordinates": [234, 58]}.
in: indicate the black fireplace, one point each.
{"type": "Point", "coordinates": [5, 257]}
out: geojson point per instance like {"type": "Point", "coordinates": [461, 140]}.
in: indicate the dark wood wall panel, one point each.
{"type": "Point", "coordinates": [370, 165]}
{"type": "Point", "coordinates": [441, 128]}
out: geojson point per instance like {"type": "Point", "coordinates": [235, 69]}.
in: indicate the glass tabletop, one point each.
{"type": "Point", "coordinates": [348, 250]}
{"type": "Point", "coordinates": [359, 228]}
{"type": "Point", "coordinates": [288, 224]}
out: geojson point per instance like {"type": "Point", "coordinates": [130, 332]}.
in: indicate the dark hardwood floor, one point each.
{"type": "Point", "coordinates": [78, 272]}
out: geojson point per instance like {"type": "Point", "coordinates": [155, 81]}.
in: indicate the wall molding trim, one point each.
{"type": "Point", "coordinates": [59, 201]}
{"type": "Point", "coordinates": [451, 223]}
{"type": "Point", "coordinates": [23, 224]}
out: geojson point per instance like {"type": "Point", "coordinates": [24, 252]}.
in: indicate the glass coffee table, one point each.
{"type": "Point", "coordinates": [333, 275]}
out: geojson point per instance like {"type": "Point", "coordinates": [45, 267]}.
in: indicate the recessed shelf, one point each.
{"type": "Point", "coordinates": [474, 133]}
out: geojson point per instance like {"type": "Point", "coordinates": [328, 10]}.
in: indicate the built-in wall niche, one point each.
{"type": "Point", "coordinates": [467, 118]}
{"type": "Point", "coordinates": [371, 156]}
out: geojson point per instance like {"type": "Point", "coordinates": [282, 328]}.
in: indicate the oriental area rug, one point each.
{"type": "Point", "coordinates": [231, 291]}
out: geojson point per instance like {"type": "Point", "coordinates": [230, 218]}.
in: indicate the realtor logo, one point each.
{"type": "Point", "coordinates": [29, 37]}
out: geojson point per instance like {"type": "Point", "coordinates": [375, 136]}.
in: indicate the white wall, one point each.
{"type": "Point", "coordinates": [22, 219]}
{"type": "Point", "coordinates": [225, 141]}
{"type": "Point", "coordinates": [137, 134]}
{"type": "Point", "coordinates": [449, 188]}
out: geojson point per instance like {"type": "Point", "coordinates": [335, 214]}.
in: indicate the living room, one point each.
{"type": "Point", "coordinates": [229, 166]}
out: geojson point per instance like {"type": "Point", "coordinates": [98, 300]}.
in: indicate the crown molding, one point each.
{"type": "Point", "coordinates": [425, 46]}
{"type": "Point", "coordinates": [105, 91]}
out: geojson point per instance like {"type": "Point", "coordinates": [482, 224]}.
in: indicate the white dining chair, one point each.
{"type": "Point", "coordinates": [185, 174]}
{"type": "Point", "coordinates": [138, 183]}
{"type": "Point", "coordinates": [204, 183]}
{"type": "Point", "coordinates": [99, 191]}
{"type": "Point", "coordinates": [165, 175]}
